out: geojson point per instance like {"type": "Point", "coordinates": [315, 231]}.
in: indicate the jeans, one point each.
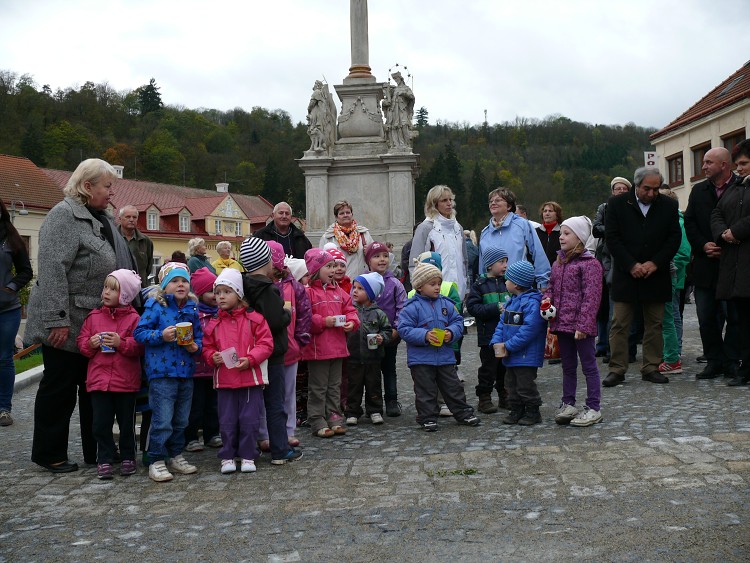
{"type": "Point", "coordinates": [170, 399]}
{"type": "Point", "coordinates": [719, 351]}
{"type": "Point", "coordinates": [671, 351]}
{"type": "Point", "coordinates": [9, 323]}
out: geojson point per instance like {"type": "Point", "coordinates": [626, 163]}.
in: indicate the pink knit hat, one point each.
{"type": "Point", "coordinates": [277, 254]}
{"type": "Point", "coordinates": [315, 259]}
{"type": "Point", "coordinates": [374, 248]}
{"type": "Point", "coordinates": [130, 285]}
{"type": "Point", "coordinates": [202, 281]}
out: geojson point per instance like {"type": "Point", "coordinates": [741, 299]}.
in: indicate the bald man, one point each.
{"type": "Point", "coordinates": [721, 350]}
{"type": "Point", "coordinates": [140, 245]}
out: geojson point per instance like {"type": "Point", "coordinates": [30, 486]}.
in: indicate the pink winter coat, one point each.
{"type": "Point", "coordinates": [118, 372]}
{"type": "Point", "coordinates": [246, 331]}
{"type": "Point", "coordinates": [327, 301]}
{"type": "Point", "coordinates": [298, 330]}
{"type": "Point", "coordinates": [575, 289]}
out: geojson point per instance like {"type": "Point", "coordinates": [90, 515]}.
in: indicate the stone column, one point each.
{"type": "Point", "coordinates": [359, 40]}
{"type": "Point", "coordinates": [316, 195]}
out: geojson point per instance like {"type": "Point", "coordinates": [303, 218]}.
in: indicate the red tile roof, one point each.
{"type": "Point", "coordinates": [21, 180]}
{"type": "Point", "coordinates": [732, 90]}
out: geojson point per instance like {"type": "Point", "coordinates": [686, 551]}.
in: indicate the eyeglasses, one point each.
{"type": "Point", "coordinates": [496, 201]}
{"type": "Point", "coordinates": [619, 189]}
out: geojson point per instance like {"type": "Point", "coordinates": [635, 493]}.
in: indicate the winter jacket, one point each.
{"type": "Point", "coordinates": [326, 301]}
{"type": "Point", "coordinates": [575, 289]}
{"type": "Point", "coordinates": [523, 330]}
{"type": "Point", "coordinates": [199, 261]}
{"type": "Point", "coordinates": [118, 372]}
{"type": "Point", "coordinates": [372, 320]}
{"type": "Point", "coordinates": [11, 283]}
{"type": "Point", "coordinates": [168, 359]}
{"type": "Point", "coordinates": [205, 314]}
{"type": "Point", "coordinates": [517, 238]}
{"type": "Point", "coordinates": [733, 212]}
{"type": "Point", "coordinates": [682, 258]}
{"type": "Point", "coordinates": [392, 299]}
{"type": "Point", "coordinates": [602, 251]}
{"type": "Point", "coordinates": [264, 297]}
{"type": "Point", "coordinates": [418, 317]}
{"type": "Point", "coordinates": [486, 301]}
{"type": "Point", "coordinates": [298, 243]}
{"type": "Point", "coordinates": [346, 284]}
{"type": "Point", "coordinates": [550, 242]}
{"type": "Point", "coordinates": [248, 333]}
{"type": "Point", "coordinates": [446, 237]}
{"type": "Point", "coordinates": [355, 263]}
{"type": "Point", "coordinates": [298, 331]}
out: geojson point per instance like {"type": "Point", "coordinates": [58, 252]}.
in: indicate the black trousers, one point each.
{"type": "Point", "coordinates": [428, 380]}
{"type": "Point", "coordinates": [107, 407]}
{"type": "Point", "coordinates": [363, 378]}
{"type": "Point", "coordinates": [64, 377]}
{"type": "Point", "coordinates": [204, 411]}
{"type": "Point", "coordinates": [491, 373]}
{"type": "Point", "coordinates": [520, 381]}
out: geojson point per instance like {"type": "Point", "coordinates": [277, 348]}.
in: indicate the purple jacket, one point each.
{"type": "Point", "coordinates": [392, 299]}
{"type": "Point", "coordinates": [299, 328]}
{"type": "Point", "coordinates": [575, 289]}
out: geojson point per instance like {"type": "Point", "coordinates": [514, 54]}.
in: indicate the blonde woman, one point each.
{"type": "Point", "coordinates": [198, 258]}
{"type": "Point", "coordinates": [225, 260]}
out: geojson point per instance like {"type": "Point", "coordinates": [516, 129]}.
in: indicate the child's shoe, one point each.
{"type": "Point", "coordinates": [215, 442]}
{"type": "Point", "coordinates": [194, 446]}
{"type": "Point", "coordinates": [669, 369]}
{"type": "Point", "coordinates": [430, 426]}
{"type": "Point", "coordinates": [323, 433]}
{"type": "Point", "coordinates": [486, 405]}
{"type": "Point", "coordinates": [565, 413]}
{"type": "Point", "coordinates": [179, 464]}
{"type": "Point", "coordinates": [376, 418]}
{"type": "Point", "coordinates": [586, 417]}
{"type": "Point", "coordinates": [445, 411]}
{"type": "Point", "coordinates": [127, 467]}
{"type": "Point", "coordinates": [248, 466]}
{"type": "Point", "coordinates": [531, 415]}
{"type": "Point", "coordinates": [158, 472]}
{"type": "Point", "coordinates": [472, 420]}
{"type": "Point", "coordinates": [228, 466]}
{"type": "Point", "coordinates": [393, 408]}
{"type": "Point", "coordinates": [338, 430]}
{"type": "Point", "coordinates": [292, 455]}
{"type": "Point", "coordinates": [352, 421]}
{"type": "Point", "coordinates": [104, 471]}
{"type": "Point", "coordinates": [515, 414]}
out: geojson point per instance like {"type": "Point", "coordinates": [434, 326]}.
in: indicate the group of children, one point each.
{"type": "Point", "coordinates": [222, 353]}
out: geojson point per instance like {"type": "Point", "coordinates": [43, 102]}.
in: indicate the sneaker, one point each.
{"type": "Point", "coordinates": [338, 430]}
{"type": "Point", "coordinates": [587, 417]}
{"type": "Point", "coordinates": [393, 408]}
{"type": "Point", "coordinates": [104, 471]}
{"type": "Point", "coordinates": [228, 466]}
{"type": "Point", "coordinates": [445, 411]}
{"type": "Point", "coordinates": [127, 467]}
{"type": "Point", "coordinates": [430, 426]}
{"type": "Point", "coordinates": [5, 418]}
{"type": "Point", "coordinates": [158, 472]}
{"type": "Point", "coordinates": [248, 466]}
{"type": "Point", "coordinates": [194, 446]}
{"type": "Point", "coordinates": [676, 367]}
{"type": "Point", "coordinates": [291, 456]}
{"type": "Point", "coordinates": [352, 421]}
{"type": "Point", "coordinates": [323, 433]}
{"type": "Point", "coordinates": [179, 464]}
{"type": "Point", "coordinates": [376, 418]}
{"type": "Point", "coordinates": [565, 413]}
{"type": "Point", "coordinates": [473, 420]}
{"type": "Point", "coordinates": [215, 442]}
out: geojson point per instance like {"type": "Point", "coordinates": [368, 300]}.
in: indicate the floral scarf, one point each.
{"type": "Point", "coordinates": [347, 237]}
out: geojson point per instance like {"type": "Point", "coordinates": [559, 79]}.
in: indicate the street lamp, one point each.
{"type": "Point", "coordinates": [14, 210]}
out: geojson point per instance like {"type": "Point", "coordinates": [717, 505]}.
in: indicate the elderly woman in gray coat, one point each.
{"type": "Point", "coordinates": [79, 246]}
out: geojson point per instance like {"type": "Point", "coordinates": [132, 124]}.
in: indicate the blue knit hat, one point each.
{"type": "Point", "coordinates": [431, 258]}
{"type": "Point", "coordinates": [373, 284]}
{"type": "Point", "coordinates": [172, 270]}
{"type": "Point", "coordinates": [493, 254]}
{"type": "Point", "coordinates": [521, 273]}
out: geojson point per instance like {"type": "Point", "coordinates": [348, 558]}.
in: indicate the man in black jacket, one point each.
{"type": "Point", "coordinates": [721, 352]}
{"type": "Point", "coordinates": [643, 234]}
{"type": "Point", "coordinates": [282, 230]}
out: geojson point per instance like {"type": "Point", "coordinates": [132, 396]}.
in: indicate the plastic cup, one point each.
{"type": "Point", "coordinates": [372, 341]}
{"type": "Point", "coordinates": [106, 349]}
{"type": "Point", "coordinates": [184, 333]}
{"type": "Point", "coordinates": [340, 320]}
{"type": "Point", "coordinates": [499, 350]}
{"type": "Point", "coordinates": [440, 333]}
{"type": "Point", "coordinates": [288, 305]}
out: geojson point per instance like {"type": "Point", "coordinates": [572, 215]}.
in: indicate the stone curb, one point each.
{"type": "Point", "coordinates": [28, 378]}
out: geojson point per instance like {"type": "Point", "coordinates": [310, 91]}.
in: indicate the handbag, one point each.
{"type": "Point", "coordinates": [551, 347]}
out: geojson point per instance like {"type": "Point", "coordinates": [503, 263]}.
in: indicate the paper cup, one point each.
{"type": "Point", "coordinates": [184, 333]}
{"type": "Point", "coordinates": [106, 349]}
{"type": "Point", "coordinates": [372, 341]}
{"type": "Point", "coordinates": [440, 333]}
{"type": "Point", "coordinates": [499, 350]}
{"type": "Point", "coordinates": [340, 320]}
{"type": "Point", "coordinates": [230, 357]}
{"type": "Point", "coordinates": [288, 305]}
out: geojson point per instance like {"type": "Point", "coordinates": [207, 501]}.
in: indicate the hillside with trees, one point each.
{"type": "Point", "coordinates": [549, 159]}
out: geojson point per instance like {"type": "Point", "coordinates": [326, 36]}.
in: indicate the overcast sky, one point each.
{"type": "Point", "coordinates": [594, 61]}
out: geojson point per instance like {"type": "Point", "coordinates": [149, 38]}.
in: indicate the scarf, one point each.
{"type": "Point", "coordinates": [347, 237]}
{"type": "Point", "coordinates": [549, 227]}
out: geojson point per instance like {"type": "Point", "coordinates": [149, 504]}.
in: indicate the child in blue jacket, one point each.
{"type": "Point", "coordinates": [428, 324]}
{"type": "Point", "coordinates": [520, 337]}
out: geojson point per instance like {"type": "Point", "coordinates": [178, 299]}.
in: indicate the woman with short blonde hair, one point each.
{"type": "Point", "coordinates": [198, 258]}
{"type": "Point", "coordinates": [225, 260]}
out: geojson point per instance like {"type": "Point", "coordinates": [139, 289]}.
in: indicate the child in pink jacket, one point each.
{"type": "Point", "coordinates": [333, 315]}
{"type": "Point", "coordinates": [114, 371]}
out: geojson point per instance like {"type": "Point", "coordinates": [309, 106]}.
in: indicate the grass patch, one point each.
{"type": "Point", "coordinates": [445, 472]}
{"type": "Point", "coordinates": [27, 362]}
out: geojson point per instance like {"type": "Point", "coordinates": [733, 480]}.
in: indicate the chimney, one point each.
{"type": "Point", "coordinates": [222, 187]}
{"type": "Point", "coordinates": [118, 170]}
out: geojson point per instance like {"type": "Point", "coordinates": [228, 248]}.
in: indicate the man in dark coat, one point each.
{"type": "Point", "coordinates": [643, 234]}
{"type": "Point", "coordinates": [282, 230]}
{"type": "Point", "coordinates": [721, 351]}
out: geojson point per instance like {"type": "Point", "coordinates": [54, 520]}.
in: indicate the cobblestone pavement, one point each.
{"type": "Point", "coordinates": [663, 478]}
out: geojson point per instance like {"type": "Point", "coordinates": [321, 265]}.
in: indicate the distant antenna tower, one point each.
{"type": "Point", "coordinates": [485, 117]}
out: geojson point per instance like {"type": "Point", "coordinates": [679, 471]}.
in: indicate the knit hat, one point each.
{"type": "Point", "coordinates": [130, 285]}
{"type": "Point", "coordinates": [277, 254]}
{"type": "Point", "coordinates": [202, 281]}
{"type": "Point", "coordinates": [172, 270]}
{"type": "Point", "coordinates": [373, 284]}
{"type": "Point", "coordinates": [521, 273]}
{"type": "Point", "coordinates": [254, 254]}
{"type": "Point", "coordinates": [423, 273]}
{"type": "Point", "coordinates": [315, 259]}
{"type": "Point", "coordinates": [374, 248]}
{"type": "Point", "coordinates": [620, 180]}
{"type": "Point", "coordinates": [297, 267]}
{"type": "Point", "coordinates": [335, 252]}
{"type": "Point", "coordinates": [431, 258]}
{"type": "Point", "coordinates": [231, 278]}
{"type": "Point", "coordinates": [581, 227]}
{"type": "Point", "coordinates": [493, 254]}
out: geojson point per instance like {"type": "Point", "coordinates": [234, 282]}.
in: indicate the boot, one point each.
{"type": "Point", "coordinates": [742, 377]}
{"type": "Point", "coordinates": [485, 404]}
{"type": "Point", "coordinates": [515, 414]}
{"type": "Point", "coordinates": [502, 399]}
{"type": "Point", "coordinates": [531, 416]}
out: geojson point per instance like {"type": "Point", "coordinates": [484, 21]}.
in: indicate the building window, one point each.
{"type": "Point", "coordinates": [733, 139]}
{"type": "Point", "coordinates": [152, 221]}
{"type": "Point", "coordinates": [185, 223]}
{"type": "Point", "coordinates": [698, 153]}
{"type": "Point", "coordinates": [156, 266]}
{"type": "Point", "coordinates": [238, 229]}
{"type": "Point", "coordinates": [674, 164]}
{"type": "Point", "coordinates": [217, 226]}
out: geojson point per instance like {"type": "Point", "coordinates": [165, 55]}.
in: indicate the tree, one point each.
{"type": "Point", "coordinates": [477, 197]}
{"type": "Point", "coordinates": [422, 114]}
{"type": "Point", "coordinates": [453, 173]}
{"type": "Point", "coordinates": [149, 98]}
